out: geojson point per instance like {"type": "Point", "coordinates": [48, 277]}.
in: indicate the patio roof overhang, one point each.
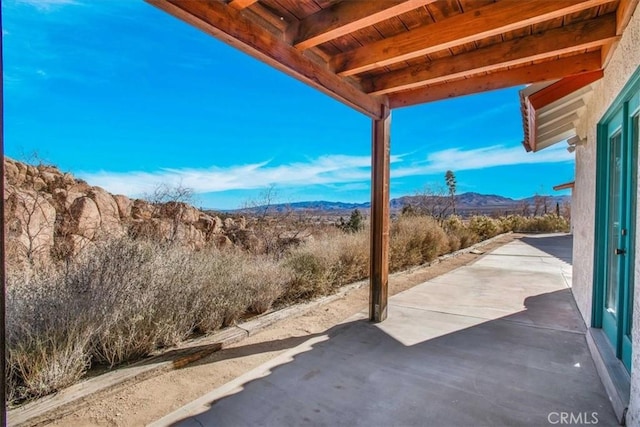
{"type": "Point", "coordinates": [376, 56]}
{"type": "Point", "coordinates": [408, 52]}
{"type": "Point", "coordinates": [551, 110]}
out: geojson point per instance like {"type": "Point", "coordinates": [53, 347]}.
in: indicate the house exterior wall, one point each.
{"type": "Point", "coordinates": [625, 60]}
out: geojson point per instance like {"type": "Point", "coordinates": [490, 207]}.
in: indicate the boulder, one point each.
{"type": "Point", "coordinates": [50, 178]}
{"type": "Point", "coordinates": [110, 224]}
{"type": "Point", "coordinates": [124, 205]}
{"type": "Point", "coordinates": [38, 184]}
{"type": "Point", "coordinates": [31, 224]}
{"type": "Point", "coordinates": [190, 214]}
{"type": "Point", "coordinates": [189, 236]}
{"type": "Point", "coordinates": [86, 217]}
{"type": "Point", "coordinates": [11, 173]}
{"type": "Point", "coordinates": [229, 224]}
{"type": "Point", "coordinates": [141, 210]}
{"type": "Point", "coordinates": [222, 241]}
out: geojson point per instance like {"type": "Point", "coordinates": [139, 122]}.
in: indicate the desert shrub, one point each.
{"type": "Point", "coordinates": [264, 281]}
{"type": "Point", "coordinates": [47, 337]}
{"type": "Point", "coordinates": [415, 240]}
{"type": "Point", "coordinates": [453, 223]}
{"type": "Point", "coordinates": [547, 223]}
{"type": "Point", "coordinates": [537, 224]}
{"type": "Point", "coordinates": [311, 275]}
{"type": "Point", "coordinates": [484, 227]}
{"type": "Point", "coordinates": [460, 236]}
{"type": "Point", "coordinates": [352, 258]}
{"type": "Point", "coordinates": [121, 300]}
{"type": "Point", "coordinates": [320, 265]}
{"type": "Point", "coordinates": [513, 222]}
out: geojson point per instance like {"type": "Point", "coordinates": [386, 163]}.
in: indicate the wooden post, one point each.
{"type": "Point", "coordinates": [3, 382]}
{"type": "Point", "coordinates": [379, 270]}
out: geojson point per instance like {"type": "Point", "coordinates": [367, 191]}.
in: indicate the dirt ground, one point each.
{"type": "Point", "coordinates": [149, 400]}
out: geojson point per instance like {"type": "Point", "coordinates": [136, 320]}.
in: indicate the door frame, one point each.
{"type": "Point", "coordinates": [630, 92]}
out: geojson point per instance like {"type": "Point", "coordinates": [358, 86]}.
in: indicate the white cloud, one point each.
{"type": "Point", "coordinates": [481, 158]}
{"type": "Point", "coordinates": [324, 170]}
{"type": "Point", "coordinates": [47, 5]}
{"type": "Point", "coordinates": [327, 170]}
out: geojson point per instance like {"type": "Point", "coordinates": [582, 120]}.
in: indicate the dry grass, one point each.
{"type": "Point", "coordinates": [122, 299]}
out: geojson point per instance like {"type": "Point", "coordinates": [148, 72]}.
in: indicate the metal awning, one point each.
{"type": "Point", "coordinates": [566, 186]}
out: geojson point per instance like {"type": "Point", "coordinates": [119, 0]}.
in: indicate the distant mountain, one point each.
{"type": "Point", "coordinates": [466, 204]}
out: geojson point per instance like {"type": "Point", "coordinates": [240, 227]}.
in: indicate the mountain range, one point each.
{"type": "Point", "coordinates": [466, 204]}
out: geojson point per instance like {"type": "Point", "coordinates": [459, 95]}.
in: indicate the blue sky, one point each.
{"type": "Point", "coordinates": [126, 97]}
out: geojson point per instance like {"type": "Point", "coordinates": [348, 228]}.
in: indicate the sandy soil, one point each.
{"type": "Point", "coordinates": [146, 401]}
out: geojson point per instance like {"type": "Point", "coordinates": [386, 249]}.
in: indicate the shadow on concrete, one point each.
{"type": "Point", "coordinates": [511, 371]}
{"type": "Point", "coordinates": [210, 353]}
{"type": "Point", "coordinates": [559, 245]}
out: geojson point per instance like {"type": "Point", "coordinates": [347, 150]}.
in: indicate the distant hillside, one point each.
{"type": "Point", "coordinates": [466, 204]}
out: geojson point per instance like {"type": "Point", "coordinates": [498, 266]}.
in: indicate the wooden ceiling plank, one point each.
{"type": "Point", "coordinates": [479, 23]}
{"type": "Point", "coordinates": [231, 27]}
{"type": "Point", "coordinates": [572, 38]}
{"type": "Point", "coordinates": [550, 70]}
{"type": "Point", "coordinates": [348, 16]}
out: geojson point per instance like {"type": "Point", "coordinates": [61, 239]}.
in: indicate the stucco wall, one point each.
{"type": "Point", "coordinates": [624, 62]}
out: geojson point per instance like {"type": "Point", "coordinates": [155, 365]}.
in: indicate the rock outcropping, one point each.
{"type": "Point", "coordinates": [52, 214]}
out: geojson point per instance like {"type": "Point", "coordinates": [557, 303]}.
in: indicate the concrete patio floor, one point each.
{"type": "Point", "coordinates": [496, 343]}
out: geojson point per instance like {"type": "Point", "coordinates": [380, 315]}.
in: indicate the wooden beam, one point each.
{"type": "Point", "coordinates": [557, 135]}
{"type": "Point", "coordinates": [348, 16]}
{"type": "Point", "coordinates": [379, 269]}
{"type": "Point", "coordinates": [233, 28]}
{"type": "Point", "coordinates": [624, 13]}
{"type": "Point", "coordinates": [572, 38]}
{"type": "Point", "coordinates": [550, 70]}
{"type": "Point", "coordinates": [548, 117]}
{"type": "Point", "coordinates": [562, 88]}
{"type": "Point", "coordinates": [241, 4]}
{"type": "Point", "coordinates": [547, 127]}
{"type": "Point", "coordinates": [491, 20]}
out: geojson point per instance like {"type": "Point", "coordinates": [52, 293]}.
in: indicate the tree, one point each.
{"type": "Point", "coordinates": [171, 202]}
{"type": "Point", "coordinates": [355, 223]}
{"type": "Point", "coordinates": [432, 201]}
{"type": "Point", "coordinates": [450, 180]}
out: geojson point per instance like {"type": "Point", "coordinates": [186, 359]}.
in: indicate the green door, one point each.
{"type": "Point", "coordinates": [617, 222]}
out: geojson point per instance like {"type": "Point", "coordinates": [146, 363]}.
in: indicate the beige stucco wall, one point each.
{"type": "Point", "coordinates": [625, 61]}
